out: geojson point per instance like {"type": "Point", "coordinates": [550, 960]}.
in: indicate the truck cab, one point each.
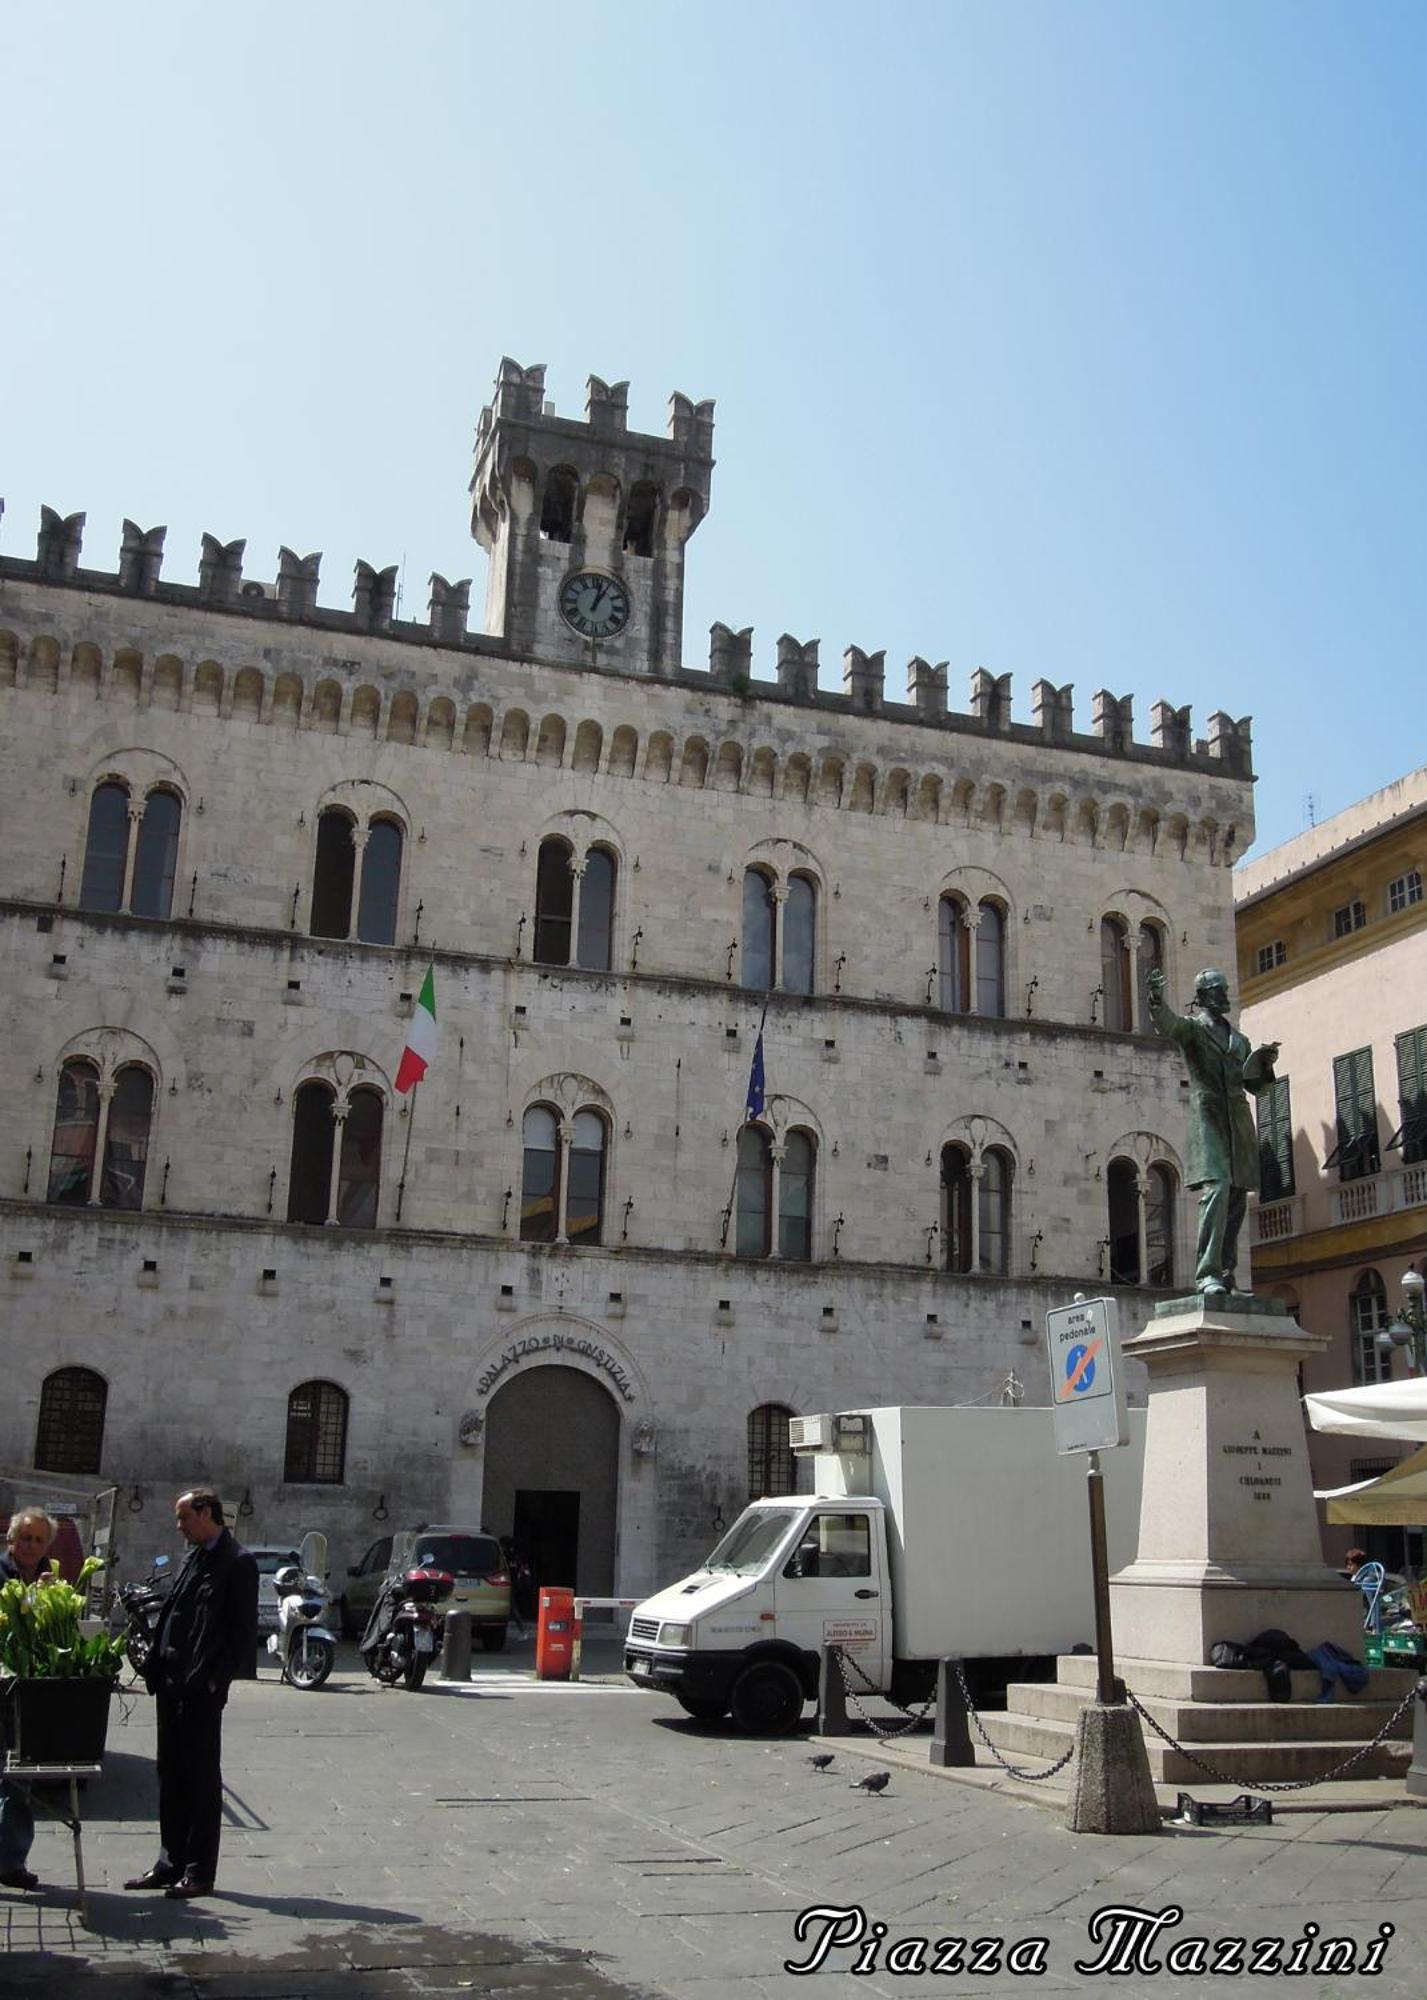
{"type": "Point", "coordinates": [744, 1634]}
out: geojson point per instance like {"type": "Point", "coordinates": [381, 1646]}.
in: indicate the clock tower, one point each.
{"type": "Point", "coordinates": [584, 524]}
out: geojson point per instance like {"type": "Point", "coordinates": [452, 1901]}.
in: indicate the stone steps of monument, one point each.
{"type": "Point", "coordinates": [1168, 1680]}
{"type": "Point", "coordinates": [1019, 1736]}
{"type": "Point", "coordinates": [1351, 1720]}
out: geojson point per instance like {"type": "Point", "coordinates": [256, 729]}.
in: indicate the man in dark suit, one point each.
{"type": "Point", "coordinates": [1223, 1160]}
{"type": "Point", "coordinates": [207, 1630]}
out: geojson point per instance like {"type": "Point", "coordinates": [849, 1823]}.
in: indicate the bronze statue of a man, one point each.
{"type": "Point", "coordinates": [1223, 1159]}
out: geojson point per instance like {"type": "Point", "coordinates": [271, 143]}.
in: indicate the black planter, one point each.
{"type": "Point", "coordinates": [58, 1721]}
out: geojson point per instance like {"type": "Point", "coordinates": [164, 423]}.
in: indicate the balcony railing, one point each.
{"type": "Point", "coordinates": [1327, 1205]}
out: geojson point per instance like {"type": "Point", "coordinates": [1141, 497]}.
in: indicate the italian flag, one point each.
{"type": "Point", "coordinates": [420, 1050]}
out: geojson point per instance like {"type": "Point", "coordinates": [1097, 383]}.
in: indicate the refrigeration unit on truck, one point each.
{"type": "Point", "coordinates": [929, 1533]}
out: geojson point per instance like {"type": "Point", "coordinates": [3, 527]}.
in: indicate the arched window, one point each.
{"type": "Point", "coordinates": [640, 518]}
{"type": "Point", "coordinates": [1159, 1225]}
{"type": "Point", "coordinates": [316, 1449]}
{"type": "Point", "coordinates": [772, 1469]}
{"type": "Point", "coordinates": [993, 1201]}
{"type": "Point", "coordinates": [584, 1201]}
{"type": "Point", "coordinates": [334, 875]}
{"type": "Point", "coordinates": [126, 1139]}
{"type": "Point", "coordinates": [991, 959]}
{"type": "Point", "coordinates": [1149, 957]}
{"type": "Point", "coordinates": [795, 1198]}
{"type": "Point", "coordinates": [799, 934]}
{"type": "Point", "coordinates": [540, 1176]}
{"type": "Point", "coordinates": [554, 903]}
{"type": "Point", "coordinates": [760, 930]}
{"type": "Point", "coordinates": [69, 1436]}
{"type": "Point", "coordinates": [557, 511]}
{"type": "Point", "coordinates": [1368, 1317]}
{"type": "Point", "coordinates": [309, 1184]}
{"type": "Point", "coordinates": [953, 956]}
{"type": "Point", "coordinates": [1115, 973]}
{"type": "Point", "coordinates": [753, 1194]}
{"type": "Point", "coordinates": [1122, 1190]}
{"type": "Point", "coordinates": [84, 1124]}
{"type": "Point", "coordinates": [76, 1133]}
{"type": "Point", "coordinates": [381, 883]}
{"type": "Point", "coordinates": [596, 927]}
{"type": "Point", "coordinates": [956, 1207]}
{"type": "Point", "coordinates": [156, 855]}
{"type": "Point", "coordinates": [106, 849]}
{"type": "Point", "coordinates": [360, 1169]}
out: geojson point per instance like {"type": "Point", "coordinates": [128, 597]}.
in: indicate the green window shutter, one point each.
{"type": "Point", "coordinates": [1412, 1093]}
{"type": "Point", "coordinates": [1275, 1142]}
{"type": "Point", "coordinates": [1356, 1153]}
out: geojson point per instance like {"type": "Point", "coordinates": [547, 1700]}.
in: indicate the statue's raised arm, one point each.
{"type": "Point", "coordinates": [1223, 1156]}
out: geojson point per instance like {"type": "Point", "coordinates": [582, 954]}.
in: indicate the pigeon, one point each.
{"type": "Point", "coordinates": [875, 1781]}
{"type": "Point", "coordinates": [822, 1760]}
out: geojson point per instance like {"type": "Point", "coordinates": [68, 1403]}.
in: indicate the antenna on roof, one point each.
{"type": "Point", "coordinates": [1310, 809]}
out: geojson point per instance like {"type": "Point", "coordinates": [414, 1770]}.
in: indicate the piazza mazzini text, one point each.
{"type": "Point", "coordinates": [1124, 1939]}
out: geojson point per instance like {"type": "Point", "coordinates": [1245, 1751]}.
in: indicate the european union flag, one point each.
{"type": "Point", "coordinates": [753, 1103]}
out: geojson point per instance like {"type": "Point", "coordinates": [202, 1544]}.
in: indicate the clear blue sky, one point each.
{"type": "Point", "coordinates": [1077, 341]}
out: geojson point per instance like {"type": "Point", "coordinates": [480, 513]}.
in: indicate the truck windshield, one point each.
{"type": "Point", "coordinates": [752, 1540]}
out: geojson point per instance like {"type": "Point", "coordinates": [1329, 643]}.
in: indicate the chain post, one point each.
{"type": "Point", "coordinates": [951, 1739]}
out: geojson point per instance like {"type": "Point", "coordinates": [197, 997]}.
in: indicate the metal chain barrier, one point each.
{"type": "Point", "coordinates": [914, 1718]}
{"type": "Point", "coordinates": [1016, 1770]}
{"type": "Point", "coordinates": [1282, 1785]}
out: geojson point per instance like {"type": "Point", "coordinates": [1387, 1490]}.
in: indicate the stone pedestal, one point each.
{"type": "Point", "coordinates": [1229, 1540]}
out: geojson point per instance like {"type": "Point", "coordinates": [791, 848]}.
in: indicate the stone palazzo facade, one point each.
{"type": "Point", "coordinates": [568, 1290]}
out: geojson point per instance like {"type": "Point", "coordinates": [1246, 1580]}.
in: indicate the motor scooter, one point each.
{"type": "Point", "coordinates": [401, 1638]}
{"type": "Point", "coordinates": [303, 1648]}
{"type": "Point", "coordinates": [140, 1606]}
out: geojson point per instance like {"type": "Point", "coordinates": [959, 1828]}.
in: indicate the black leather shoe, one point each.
{"type": "Point", "coordinates": [19, 1878]}
{"type": "Point", "coordinates": [190, 1886]}
{"type": "Point", "coordinates": [153, 1878]}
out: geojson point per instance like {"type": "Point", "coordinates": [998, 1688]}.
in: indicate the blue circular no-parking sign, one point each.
{"type": "Point", "coordinates": [1079, 1378]}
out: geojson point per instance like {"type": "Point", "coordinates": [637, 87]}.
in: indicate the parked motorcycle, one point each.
{"type": "Point", "coordinates": [402, 1633]}
{"type": "Point", "coordinates": [140, 1605]}
{"type": "Point", "coordinates": [303, 1648]}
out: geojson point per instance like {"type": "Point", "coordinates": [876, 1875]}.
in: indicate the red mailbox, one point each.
{"type": "Point", "coordinates": [554, 1634]}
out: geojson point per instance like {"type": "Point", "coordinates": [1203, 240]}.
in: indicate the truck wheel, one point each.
{"type": "Point", "coordinates": [767, 1699]}
{"type": "Point", "coordinates": [703, 1707]}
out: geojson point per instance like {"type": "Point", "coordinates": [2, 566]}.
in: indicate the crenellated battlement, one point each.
{"type": "Point", "coordinates": [552, 496]}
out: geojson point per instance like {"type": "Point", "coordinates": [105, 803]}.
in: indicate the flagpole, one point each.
{"type": "Point", "coordinates": [406, 1150]}
{"type": "Point", "coordinates": [733, 1188]}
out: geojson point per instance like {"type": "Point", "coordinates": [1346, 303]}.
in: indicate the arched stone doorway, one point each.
{"type": "Point", "coordinates": [552, 1475]}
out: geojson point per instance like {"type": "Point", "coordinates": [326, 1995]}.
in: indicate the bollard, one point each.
{"type": "Point", "coordinates": [832, 1696]}
{"type": "Point", "coordinates": [951, 1741]}
{"type": "Point", "coordinates": [554, 1633]}
{"type": "Point", "coordinates": [456, 1646]}
{"type": "Point", "coordinates": [1417, 1769]}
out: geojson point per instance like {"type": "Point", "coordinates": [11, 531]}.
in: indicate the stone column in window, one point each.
{"type": "Point", "coordinates": [1133, 930]}
{"type": "Point", "coordinates": [976, 1172]}
{"type": "Point", "coordinates": [776, 1156]}
{"type": "Point", "coordinates": [1142, 1192]}
{"type": "Point", "coordinates": [970, 914]}
{"type": "Point", "coordinates": [134, 812]}
{"type": "Point", "coordinates": [565, 1138]}
{"type": "Point", "coordinates": [577, 875]}
{"type": "Point", "coordinates": [107, 1088]}
{"type": "Point", "coordinates": [777, 896]}
{"type": "Point", "coordinates": [334, 1179]}
{"type": "Point", "coordinates": [354, 908]}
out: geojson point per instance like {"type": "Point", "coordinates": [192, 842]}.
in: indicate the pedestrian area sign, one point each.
{"type": "Point", "coordinates": [1083, 1341]}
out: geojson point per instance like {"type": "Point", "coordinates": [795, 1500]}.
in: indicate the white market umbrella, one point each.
{"type": "Point", "coordinates": [1397, 1498]}
{"type": "Point", "coordinates": [1377, 1410]}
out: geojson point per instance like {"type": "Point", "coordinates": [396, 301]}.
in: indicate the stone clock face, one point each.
{"type": "Point", "coordinates": [594, 604]}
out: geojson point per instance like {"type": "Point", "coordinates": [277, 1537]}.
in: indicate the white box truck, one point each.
{"type": "Point", "coordinates": [929, 1533]}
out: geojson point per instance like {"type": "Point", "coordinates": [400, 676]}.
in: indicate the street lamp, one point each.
{"type": "Point", "coordinates": [1409, 1328]}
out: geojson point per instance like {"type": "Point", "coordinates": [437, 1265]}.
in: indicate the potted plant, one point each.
{"type": "Point", "coordinates": [57, 1681]}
